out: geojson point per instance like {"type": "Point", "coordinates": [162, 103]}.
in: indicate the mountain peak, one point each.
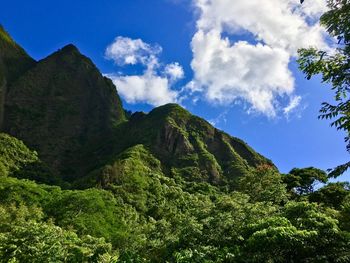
{"type": "Point", "coordinates": [13, 59]}
{"type": "Point", "coordinates": [70, 48]}
{"type": "Point", "coordinates": [69, 58]}
{"type": "Point", "coordinates": [66, 110]}
{"type": "Point", "coordinates": [170, 109]}
{"type": "Point", "coordinates": [67, 52]}
{"type": "Point", "coordinates": [81, 109]}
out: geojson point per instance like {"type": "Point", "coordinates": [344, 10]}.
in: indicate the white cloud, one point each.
{"type": "Point", "coordinates": [293, 104]}
{"type": "Point", "coordinates": [125, 51]}
{"type": "Point", "coordinates": [154, 84]}
{"type": "Point", "coordinates": [314, 8]}
{"type": "Point", "coordinates": [228, 72]}
{"type": "Point", "coordinates": [174, 71]}
{"type": "Point", "coordinates": [227, 69]}
{"type": "Point", "coordinates": [148, 88]}
{"type": "Point", "coordinates": [278, 23]}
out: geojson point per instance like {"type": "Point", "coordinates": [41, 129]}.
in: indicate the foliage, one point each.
{"type": "Point", "coordinates": [25, 237]}
{"type": "Point", "coordinates": [264, 184]}
{"type": "Point", "coordinates": [303, 180]}
{"type": "Point", "coordinates": [305, 233]}
{"type": "Point", "coordinates": [334, 66]}
{"type": "Point", "coordinates": [344, 218]}
{"type": "Point", "coordinates": [332, 195]}
{"type": "Point", "coordinates": [159, 187]}
{"type": "Point", "coordinates": [164, 220]}
{"type": "Point", "coordinates": [142, 215]}
{"type": "Point", "coordinates": [14, 155]}
{"type": "Point", "coordinates": [17, 160]}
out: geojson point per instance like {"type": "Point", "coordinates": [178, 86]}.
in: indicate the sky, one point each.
{"type": "Point", "coordinates": [232, 63]}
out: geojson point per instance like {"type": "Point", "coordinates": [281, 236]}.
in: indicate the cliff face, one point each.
{"type": "Point", "coordinates": [67, 111]}
{"type": "Point", "coordinates": [64, 108]}
{"type": "Point", "coordinates": [14, 61]}
{"type": "Point", "coordinates": [187, 146]}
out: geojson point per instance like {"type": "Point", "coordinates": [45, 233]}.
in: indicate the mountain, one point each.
{"type": "Point", "coordinates": [165, 186]}
{"type": "Point", "coordinates": [186, 146]}
{"type": "Point", "coordinates": [63, 107]}
{"type": "Point", "coordinates": [66, 110]}
{"type": "Point", "coordinates": [13, 62]}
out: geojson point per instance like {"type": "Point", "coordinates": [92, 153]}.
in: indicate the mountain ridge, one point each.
{"type": "Point", "coordinates": [60, 107]}
{"type": "Point", "coordinates": [64, 108]}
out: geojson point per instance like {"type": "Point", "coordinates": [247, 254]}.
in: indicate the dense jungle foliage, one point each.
{"type": "Point", "coordinates": [149, 217]}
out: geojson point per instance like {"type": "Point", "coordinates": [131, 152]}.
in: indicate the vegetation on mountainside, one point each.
{"type": "Point", "coordinates": [159, 187]}
{"type": "Point", "coordinates": [14, 155]}
{"type": "Point", "coordinates": [72, 116]}
{"type": "Point", "coordinates": [19, 161]}
{"type": "Point", "coordinates": [188, 147]}
{"type": "Point", "coordinates": [67, 110]}
{"type": "Point", "coordinates": [26, 237]}
{"type": "Point", "coordinates": [142, 215]}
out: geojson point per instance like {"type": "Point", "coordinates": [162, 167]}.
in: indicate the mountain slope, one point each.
{"type": "Point", "coordinates": [63, 107]}
{"type": "Point", "coordinates": [185, 146]}
{"type": "Point", "coordinates": [66, 110]}
{"type": "Point", "coordinates": [14, 61]}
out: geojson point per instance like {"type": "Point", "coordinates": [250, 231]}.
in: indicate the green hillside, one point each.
{"type": "Point", "coordinates": [144, 216]}
{"type": "Point", "coordinates": [73, 117]}
{"type": "Point", "coordinates": [64, 108]}
{"type": "Point", "coordinates": [81, 181]}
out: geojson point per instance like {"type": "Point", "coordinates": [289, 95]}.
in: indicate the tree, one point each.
{"type": "Point", "coordinates": [302, 181]}
{"type": "Point", "coordinates": [332, 195]}
{"type": "Point", "coordinates": [334, 68]}
{"type": "Point", "coordinates": [304, 232]}
{"type": "Point", "coordinates": [25, 237]}
{"type": "Point", "coordinates": [264, 184]}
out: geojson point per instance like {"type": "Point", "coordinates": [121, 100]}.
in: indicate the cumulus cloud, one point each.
{"type": "Point", "coordinates": [227, 69]}
{"type": "Point", "coordinates": [125, 51]}
{"type": "Point", "coordinates": [174, 71]}
{"type": "Point", "coordinates": [148, 88]}
{"type": "Point", "coordinates": [154, 84]}
{"type": "Point", "coordinates": [314, 8]}
{"type": "Point", "coordinates": [228, 72]}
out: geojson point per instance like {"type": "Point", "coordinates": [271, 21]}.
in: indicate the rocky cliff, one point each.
{"type": "Point", "coordinates": [66, 110]}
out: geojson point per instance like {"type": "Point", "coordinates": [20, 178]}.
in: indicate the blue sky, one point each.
{"type": "Point", "coordinates": [222, 60]}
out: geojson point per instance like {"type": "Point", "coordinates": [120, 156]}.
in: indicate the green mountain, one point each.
{"type": "Point", "coordinates": [186, 146]}
{"type": "Point", "coordinates": [14, 61]}
{"type": "Point", "coordinates": [63, 108]}
{"type": "Point", "coordinates": [166, 186]}
{"type": "Point", "coordinates": [66, 110]}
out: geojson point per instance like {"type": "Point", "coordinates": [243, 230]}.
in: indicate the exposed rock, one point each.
{"type": "Point", "coordinates": [64, 108]}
